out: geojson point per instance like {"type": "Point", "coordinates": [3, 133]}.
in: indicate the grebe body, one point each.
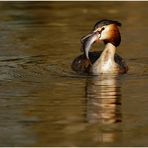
{"type": "Point", "coordinates": [106, 61]}
{"type": "Point", "coordinates": [82, 65]}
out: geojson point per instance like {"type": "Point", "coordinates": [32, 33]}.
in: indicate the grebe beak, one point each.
{"type": "Point", "coordinates": [88, 40]}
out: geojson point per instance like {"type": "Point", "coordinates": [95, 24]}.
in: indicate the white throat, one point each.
{"type": "Point", "coordinates": [106, 63]}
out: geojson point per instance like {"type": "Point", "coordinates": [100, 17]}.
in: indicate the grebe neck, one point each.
{"type": "Point", "coordinates": [108, 53]}
{"type": "Point", "coordinates": [106, 63]}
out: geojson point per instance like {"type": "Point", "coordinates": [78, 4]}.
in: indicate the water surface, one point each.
{"type": "Point", "coordinates": [44, 103]}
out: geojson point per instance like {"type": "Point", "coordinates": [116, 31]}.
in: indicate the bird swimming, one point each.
{"type": "Point", "coordinates": [105, 61]}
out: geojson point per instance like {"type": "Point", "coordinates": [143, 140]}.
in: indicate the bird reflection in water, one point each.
{"type": "Point", "coordinates": [103, 105]}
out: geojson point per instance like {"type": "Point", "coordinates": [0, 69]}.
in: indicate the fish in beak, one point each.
{"type": "Point", "coordinates": [88, 40]}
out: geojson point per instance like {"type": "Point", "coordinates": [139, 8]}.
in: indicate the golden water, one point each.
{"type": "Point", "coordinates": [44, 103]}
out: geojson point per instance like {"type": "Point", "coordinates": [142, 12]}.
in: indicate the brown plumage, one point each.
{"type": "Point", "coordinates": [114, 36]}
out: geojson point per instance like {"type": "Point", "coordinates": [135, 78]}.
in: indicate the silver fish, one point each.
{"type": "Point", "coordinates": [87, 41]}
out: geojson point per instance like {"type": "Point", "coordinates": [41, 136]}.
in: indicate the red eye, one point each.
{"type": "Point", "coordinates": [102, 29]}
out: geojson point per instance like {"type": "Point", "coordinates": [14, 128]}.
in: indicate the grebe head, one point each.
{"type": "Point", "coordinates": [104, 30]}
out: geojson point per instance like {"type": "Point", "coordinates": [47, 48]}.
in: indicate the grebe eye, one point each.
{"type": "Point", "coordinates": [102, 28]}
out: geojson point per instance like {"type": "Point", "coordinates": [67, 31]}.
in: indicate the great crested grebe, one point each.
{"type": "Point", "coordinates": [106, 61]}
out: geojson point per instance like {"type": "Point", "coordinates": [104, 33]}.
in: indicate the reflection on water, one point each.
{"type": "Point", "coordinates": [103, 100]}
{"type": "Point", "coordinates": [103, 103]}
{"type": "Point", "coordinates": [44, 103]}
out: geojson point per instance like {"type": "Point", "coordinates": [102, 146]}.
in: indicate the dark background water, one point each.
{"type": "Point", "coordinates": [44, 103]}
